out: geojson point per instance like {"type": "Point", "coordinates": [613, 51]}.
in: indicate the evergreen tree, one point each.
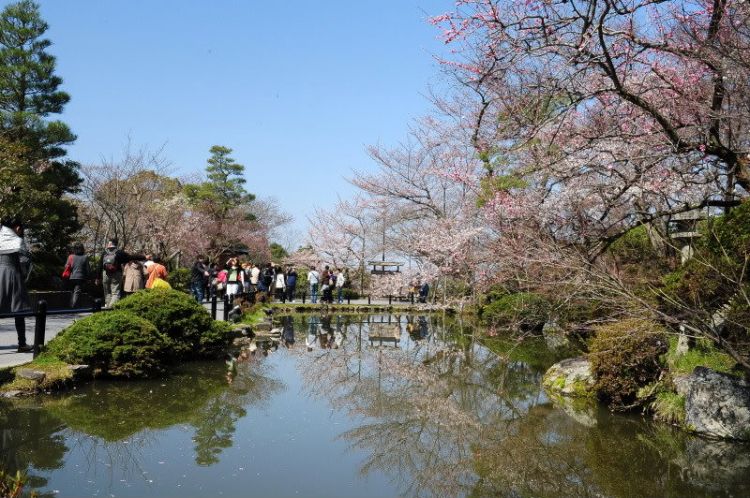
{"type": "Point", "coordinates": [224, 190]}
{"type": "Point", "coordinates": [32, 146]}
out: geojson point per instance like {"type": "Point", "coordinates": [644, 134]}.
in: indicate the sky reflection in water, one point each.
{"type": "Point", "coordinates": [357, 406]}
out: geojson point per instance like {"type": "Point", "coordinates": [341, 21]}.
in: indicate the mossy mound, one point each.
{"type": "Point", "coordinates": [116, 343]}
{"type": "Point", "coordinates": [625, 357]}
{"type": "Point", "coordinates": [189, 330]}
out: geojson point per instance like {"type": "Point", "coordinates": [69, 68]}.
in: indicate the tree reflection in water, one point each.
{"type": "Point", "coordinates": [442, 415]}
{"type": "Point", "coordinates": [112, 422]}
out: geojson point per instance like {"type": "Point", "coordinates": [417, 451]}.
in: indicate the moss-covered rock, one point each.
{"type": "Point", "coordinates": [189, 330]}
{"type": "Point", "coordinates": [571, 377]}
{"type": "Point", "coordinates": [115, 343]}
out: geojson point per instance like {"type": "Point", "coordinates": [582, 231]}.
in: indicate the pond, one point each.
{"type": "Point", "coordinates": [348, 405]}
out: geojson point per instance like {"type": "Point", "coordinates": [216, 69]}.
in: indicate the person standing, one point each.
{"type": "Point", "coordinates": [110, 270]}
{"type": "Point", "coordinates": [280, 281]}
{"type": "Point", "coordinates": [325, 283]}
{"type": "Point", "coordinates": [268, 276]}
{"type": "Point", "coordinates": [313, 278]}
{"type": "Point", "coordinates": [423, 292]}
{"type": "Point", "coordinates": [213, 280]}
{"type": "Point", "coordinates": [133, 277]}
{"type": "Point", "coordinates": [80, 273]}
{"type": "Point", "coordinates": [340, 280]}
{"type": "Point", "coordinates": [235, 277]}
{"type": "Point", "coordinates": [291, 283]}
{"type": "Point", "coordinates": [254, 278]}
{"type": "Point", "coordinates": [198, 278]}
{"type": "Point", "coordinates": [15, 266]}
{"type": "Point", "coordinates": [155, 272]}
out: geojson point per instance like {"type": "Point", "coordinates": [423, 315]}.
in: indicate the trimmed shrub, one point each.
{"type": "Point", "coordinates": [625, 357]}
{"type": "Point", "coordinates": [187, 326]}
{"type": "Point", "coordinates": [180, 279]}
{"type": "Point", "coordinates": [350, 293]}
{"type": "Point", "coordinates": [525, 310]}
{"type": "Point", "coordinates": [116, 343]}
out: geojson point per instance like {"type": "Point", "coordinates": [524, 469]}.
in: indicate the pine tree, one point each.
{"type": "Point", "coordinates": [224, 189]}
{"type": "Point", "coordinates": [33, 146]}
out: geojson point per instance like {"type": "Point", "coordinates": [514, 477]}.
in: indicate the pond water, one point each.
{"type": "Point", "coordinates": [357, 406]}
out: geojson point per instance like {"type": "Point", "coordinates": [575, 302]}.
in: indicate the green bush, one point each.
{"type": "Point", "coordinates": [625, 357]}
{"type": "Point", "coordinates": [116, 343]}
{"type": "Point", "coordinates": [700, 283]}
{"type": "Point", "coordinates": [525, 310]}
{"type": "Point", "coordinates": [729, 235]}
{"type": "Point", "coordinates": [180, 279]}
{"type": "Point", "coordinates": [187, 326]}
{"type": "Point", "coordinates": [350, 293]}
{"type": "Point", "coordinates": [634, 247]}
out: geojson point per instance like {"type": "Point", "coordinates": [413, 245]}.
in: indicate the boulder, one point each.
{"type": "Point", "coordinates": [262, 327]}
{"type": "Point", "coordinates": [35, 375]}
{"type": "Point", "coordinates": [80, 371]}
{"type": "Point", "coordinates": [681, 384]}
{"type": "Point", "coordinates": [718, 405]}
{"type": "Point", "coordinates": [242, 330]}
{"type": "Point", "coordinates": [571, 377]}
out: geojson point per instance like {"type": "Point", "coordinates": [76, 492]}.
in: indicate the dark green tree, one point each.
{"type": "Point", "coordinates": [224, 190]}
{"type": "Point", "coordinates": [278, 253]}
{"type": "Point", "coordinates": [29, 93]}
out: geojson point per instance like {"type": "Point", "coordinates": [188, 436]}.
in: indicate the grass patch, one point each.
{"type": "Point", "coordinates": [257, 314]}
{"type": "Point", "coordinates": [703, 354]}
{"type": "Point", "coordinates": [669, 407]}
{"type": "Point", "coordinates": [56, 372]}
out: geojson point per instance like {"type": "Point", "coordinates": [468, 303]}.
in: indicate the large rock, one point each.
{"type": "Point", "coordinates": [262, 327]}
{"type": "Point", "coordinates": [718, 405]}
{"type": "Point", "coordinates": [35, 375]}
{"type": "Point", "coordinates": [571, 377]}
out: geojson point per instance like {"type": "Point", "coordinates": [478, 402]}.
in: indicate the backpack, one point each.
{"type": "Point", "coordinates": [109, 261]}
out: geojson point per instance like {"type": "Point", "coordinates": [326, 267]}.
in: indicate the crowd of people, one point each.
{"type": "Point", "coordinates": [121, 273]}
{"type": "Point", "coordinates": [272, 279]}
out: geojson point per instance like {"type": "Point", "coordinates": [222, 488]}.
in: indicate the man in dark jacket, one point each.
{"type": "Point", "coordinates": [110, 269]}
{"type": "Point", "coordinates": [198, 280]}
{"type": "Point", "coordinates": [291, 283]}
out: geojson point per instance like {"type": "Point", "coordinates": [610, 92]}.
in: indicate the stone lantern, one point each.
{"type": "Point", "coordinates": [683, 230]}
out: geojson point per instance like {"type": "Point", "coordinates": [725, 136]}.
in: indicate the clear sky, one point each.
{"type": "Point", "coordinates": [297, 88]}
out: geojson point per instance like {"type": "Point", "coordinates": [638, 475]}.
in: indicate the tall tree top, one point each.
{"type": "Point", "coordinates": [224, 189]}
{"type": "Point", "coordinates": [28, 86]}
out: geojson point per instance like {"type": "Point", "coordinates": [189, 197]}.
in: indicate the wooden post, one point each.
{"type": "Point", "coordinates": [214, 301]}
{"type": "Point", "coordinates": [41, 323]}
{"type": "Point", "coordinates": [227, 300]}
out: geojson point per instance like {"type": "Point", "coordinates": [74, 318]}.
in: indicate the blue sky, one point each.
{"type": "Point", "coordinates": [296, 88]}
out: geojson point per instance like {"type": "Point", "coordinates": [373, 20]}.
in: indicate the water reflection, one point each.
{"type": "Point", "coordinates": [443, 415]}
{"type": "Point", "coordinates": [419, 406]}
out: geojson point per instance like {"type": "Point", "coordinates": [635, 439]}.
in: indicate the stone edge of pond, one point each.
{"type": "Point", "coordinates": [713, 399]}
